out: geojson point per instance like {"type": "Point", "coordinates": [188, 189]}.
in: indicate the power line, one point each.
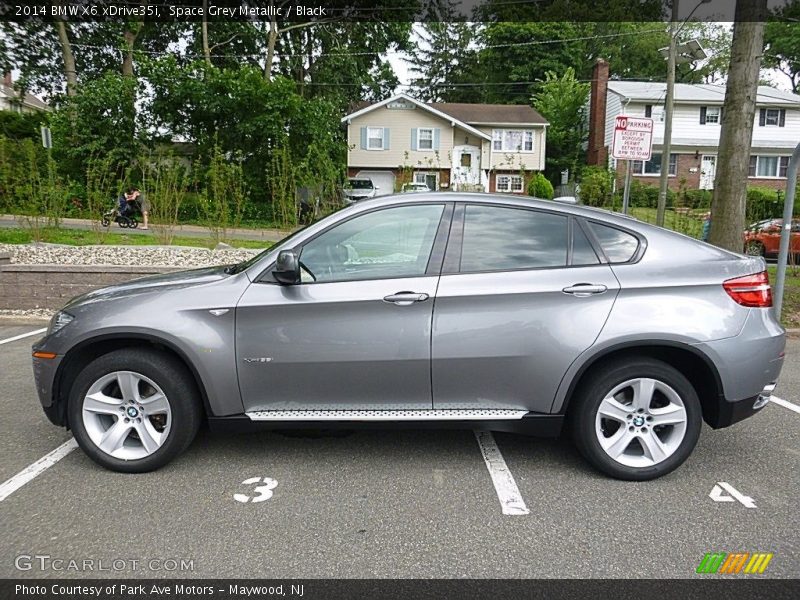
{"type": "Point", "coordinates": [386, 52]}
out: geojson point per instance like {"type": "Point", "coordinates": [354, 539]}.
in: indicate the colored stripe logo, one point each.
{"type": "Point", "coordinates": [735, 563]}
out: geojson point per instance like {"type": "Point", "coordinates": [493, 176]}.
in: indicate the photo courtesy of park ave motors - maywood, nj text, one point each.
{"type": "Point", "coordinates": [377, 299]}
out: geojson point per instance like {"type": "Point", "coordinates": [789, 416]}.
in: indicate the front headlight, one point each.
{"type": "Point", "coordinates": [59, 321]}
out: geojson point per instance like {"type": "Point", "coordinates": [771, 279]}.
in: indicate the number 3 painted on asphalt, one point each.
{"type": "Point", "coordinates": [263, 492]}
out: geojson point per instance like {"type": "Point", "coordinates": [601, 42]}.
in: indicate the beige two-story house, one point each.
{"type": "Point", "coordinates": [488, 147]}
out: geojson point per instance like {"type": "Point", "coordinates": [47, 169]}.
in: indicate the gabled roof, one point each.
{"type": "Point", "coordinates": [695, 93]}
{"type": "Point", "coordinates": [464, 115]}
{"type": "Point", "coordinates": [491, 114]}
{"type": "Point", "coordinates": [29, 100]}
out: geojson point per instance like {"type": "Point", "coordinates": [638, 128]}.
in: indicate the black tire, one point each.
{"type": "Point", "coordinates": [592, 391]}
{"type": "Point", "coordinates": [133, 223]}
{"type": "Point", "coordinates": [105, 222]}
{"type": "Point", "coordinates": [178, 386]}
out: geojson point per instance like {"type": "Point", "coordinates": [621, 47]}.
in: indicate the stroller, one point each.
{"type": "Point", "coordinates": [127, 217]}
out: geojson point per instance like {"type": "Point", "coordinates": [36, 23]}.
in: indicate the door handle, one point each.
{"type": "Point", "coordinates": [405, 298]}
{"type": "Point", "coordinates": [584, 289]}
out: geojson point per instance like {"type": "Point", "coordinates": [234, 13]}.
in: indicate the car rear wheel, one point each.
{"type": "Point", "coordinates": [636, 420]}
{"type": "Point", "coordinates": [134, 410]}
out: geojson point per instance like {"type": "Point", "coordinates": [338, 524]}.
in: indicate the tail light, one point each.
{"type": "Point", "coordinates": [750, 290]}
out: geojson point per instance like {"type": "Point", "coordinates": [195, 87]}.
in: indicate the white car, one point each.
{"type": "Point", "coordinates": [409, 188]}
{"type": "Point", "coordinates": [359, 188]}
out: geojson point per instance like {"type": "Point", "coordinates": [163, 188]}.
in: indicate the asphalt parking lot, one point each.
{"type": "Point", "coordinates": [401, 504]}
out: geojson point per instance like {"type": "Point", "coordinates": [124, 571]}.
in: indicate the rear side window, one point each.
{"type": "Point", "coordinates": [504, 239]}
{"type": "Point", "coordinates": [582, 252]}
{"type": "Point", "coordinates": [618, 245]}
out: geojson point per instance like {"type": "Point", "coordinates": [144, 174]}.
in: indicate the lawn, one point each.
{"type": "Point", "coordinates": [682, 223]}
{"type": "Point", "coordinates": [78, 237]}
{"type": "Point", "coordinates": [791, 296]}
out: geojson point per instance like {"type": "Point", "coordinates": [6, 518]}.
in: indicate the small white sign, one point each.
{"type": "Point", "coordinates": [633, 138]}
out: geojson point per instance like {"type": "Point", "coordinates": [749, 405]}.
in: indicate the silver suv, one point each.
{"type": "Point", "coordinates": [457, 310]}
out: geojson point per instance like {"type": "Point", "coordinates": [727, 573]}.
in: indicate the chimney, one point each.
{"type": "Point", "coordinates": [7, 80]}
{"type": "Point", "coordinates": [597, 152]}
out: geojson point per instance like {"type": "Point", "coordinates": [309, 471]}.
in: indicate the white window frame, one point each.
{"type": "Point", "coordinates": [638, 164]}
{"type": "Point", "coordinates": [499, 135]}
{"type": "Point", "coordinates": [421, 177]}
{"type": "Point", "coordinates": [509, 185]}
{"type": "Point", "coordinates": [777, 112]}
{"type": "Point", "coordinates": [777, 172]}
{"type": "Point", "coordinates": [369, 137]}
{"type": "Point", "coordinates": [419, 139]}
{"type": "Point", "coordinates": [713, 114]}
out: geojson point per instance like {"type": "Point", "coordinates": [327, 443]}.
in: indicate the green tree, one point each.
{"type": "Point", "coordinates": [443, 60]}
{"type": "Point", "coordinates": [562, 101]}
{"type": "Point", "coordinates": [782, 42]}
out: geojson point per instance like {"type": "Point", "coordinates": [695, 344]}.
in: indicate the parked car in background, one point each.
{"type": "Point", "coordinates": [437, 310]}
{"type": "Point", "coordinates": [358, 188]}
{"type": "Point", "coordinates": [763, 238]}
{"type": "Point", "coordinates": [414, 187]}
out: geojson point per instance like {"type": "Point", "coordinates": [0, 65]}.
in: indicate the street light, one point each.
{"type": "Point", "coordinates": [689, 50]}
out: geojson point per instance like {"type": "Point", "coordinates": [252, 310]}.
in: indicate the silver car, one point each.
{"type": "Point", "coordinates": [431, 310]}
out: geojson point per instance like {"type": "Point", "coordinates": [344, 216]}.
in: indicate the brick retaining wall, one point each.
{"type": "Point", "coordinates": [24, 287]}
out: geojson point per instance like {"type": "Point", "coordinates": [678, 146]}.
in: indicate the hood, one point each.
{"type": "Point", "coordinates": [357, 193]}
{"type": "Point", "coordinates": [153, 283]}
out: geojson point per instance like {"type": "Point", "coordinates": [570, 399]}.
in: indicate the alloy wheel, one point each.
{"type": "Point", "coordinates": [641, 422]}
{"type": "Point", "coordinates": [126, 415]}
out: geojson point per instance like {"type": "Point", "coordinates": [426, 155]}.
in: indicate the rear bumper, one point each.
{"type": "Point", "coordinates": [748, 365]}
{"type": "Point", "coordinates": [727, 413]}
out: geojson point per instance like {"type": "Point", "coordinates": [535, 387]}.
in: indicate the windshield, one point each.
{"type": "Point", "coordinates": [360, 184]}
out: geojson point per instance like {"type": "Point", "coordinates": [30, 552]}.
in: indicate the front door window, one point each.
{"type": "Point", "coordinates": [391, 243]}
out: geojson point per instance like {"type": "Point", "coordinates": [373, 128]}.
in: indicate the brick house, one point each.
{"type": "Point", "coordinates": [696, 124]}
{"type": "Point", "coordinates": [491, 147]}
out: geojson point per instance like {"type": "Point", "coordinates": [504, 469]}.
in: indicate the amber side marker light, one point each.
{"type": "Point", "coordinates": [48, 355]}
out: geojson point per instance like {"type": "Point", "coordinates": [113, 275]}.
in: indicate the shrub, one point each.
{"type": "Point", "coordinates": [540, 187]}
{"type": "Point", "coordinates": [695, 198]}
{"type": "Point", "coordinates": [595, 186]}
{"type": "Point", "coordinates": [762, 203]}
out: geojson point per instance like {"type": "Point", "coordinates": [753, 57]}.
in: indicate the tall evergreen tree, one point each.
{"type": "Point", "coordinates": [443, 60]}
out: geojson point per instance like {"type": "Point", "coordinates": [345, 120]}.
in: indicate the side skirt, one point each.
{"type": "Point", "coordinates": [533, 424]}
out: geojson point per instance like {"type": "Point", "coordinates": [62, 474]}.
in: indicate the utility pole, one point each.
{"type": "Point", "coordinates": [666, 145]}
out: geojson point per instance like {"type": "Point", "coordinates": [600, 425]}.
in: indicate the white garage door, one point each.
{"type": "Point", "coordinates": [383, 179]}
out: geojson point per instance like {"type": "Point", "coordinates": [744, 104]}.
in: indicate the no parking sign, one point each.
{"type": "Point", "coordinates": [633, 138]}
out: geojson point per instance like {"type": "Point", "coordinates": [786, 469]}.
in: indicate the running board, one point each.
{"type": "Point", "coordinates": [388, 415]}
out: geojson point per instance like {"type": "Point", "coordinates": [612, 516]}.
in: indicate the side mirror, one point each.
{"type": "Point", "coordinates": [287, 268]}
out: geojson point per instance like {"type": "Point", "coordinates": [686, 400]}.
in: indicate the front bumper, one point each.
{"type": "Point", "coordinates": [44, 375]}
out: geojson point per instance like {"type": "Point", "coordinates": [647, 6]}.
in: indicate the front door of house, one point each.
{"type": "Point", "coordinates": [466, 166]}
{"type": "Point", "coordinates": [708, 170]}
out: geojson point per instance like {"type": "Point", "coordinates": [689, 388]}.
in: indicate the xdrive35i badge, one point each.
{"type": "Point", "coordinates": [258, 359]}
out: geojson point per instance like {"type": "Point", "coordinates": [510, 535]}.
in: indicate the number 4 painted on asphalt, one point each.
{"type": "Point", "coordinates": [717, 496]}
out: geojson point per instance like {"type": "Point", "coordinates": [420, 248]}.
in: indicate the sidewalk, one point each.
{"type": "Point", "coordinates": [269, 235]}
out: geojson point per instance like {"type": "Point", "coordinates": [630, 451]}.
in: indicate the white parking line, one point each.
{"type": "Point", "coordinates": [32, 471]}
{"type": "Point", "coordinates": [785, 404]}
{"type": "Point", "coordinates": [23, 335]}
{"type": "Point", "coordinates": [507, 490]}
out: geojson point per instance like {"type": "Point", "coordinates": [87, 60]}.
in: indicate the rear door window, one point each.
{"type": "Point", "coordinates": [503, 239]}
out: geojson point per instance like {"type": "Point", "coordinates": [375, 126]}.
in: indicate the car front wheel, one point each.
{"type": "Point", "coordinates": [134, 410]}
{"type": "Point", "coordinates": [637, 419]}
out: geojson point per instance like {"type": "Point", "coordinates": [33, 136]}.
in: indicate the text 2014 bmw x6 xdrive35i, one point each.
{"type": "Point", "coordinates": [445, 310]}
